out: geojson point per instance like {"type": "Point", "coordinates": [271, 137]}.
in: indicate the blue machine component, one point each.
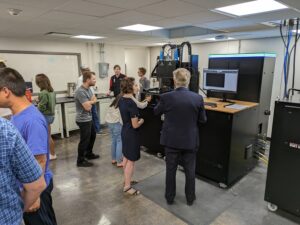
{"type": "Point", "coordinates": [195, 60]}
{"type": "Point", "coordinates": [161, 55]}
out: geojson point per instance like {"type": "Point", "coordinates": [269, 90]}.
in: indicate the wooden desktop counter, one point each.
{"type": "Point", "coordinates": [226, 140]}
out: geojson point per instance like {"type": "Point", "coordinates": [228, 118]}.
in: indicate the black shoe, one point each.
{"type": "Point", "coordinates": [190, 203]}
{"type": "Point", "coordinates": [85, 164]}
{"type": "Point", "coordinates": [170, 202]}
{"type": "Point", "coordinates": [92, 156]}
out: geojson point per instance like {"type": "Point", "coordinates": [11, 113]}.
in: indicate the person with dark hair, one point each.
{"type": "Point", "coordinates": [130, 133]}
{"type": "Point", "coordinates": [144, 82]}
{"type": "Point", "coordinates": [114, 122]}
{"type": "Point", "coordinates": [95, 117]}
{"type": "Point", "coordinates": [184, 112]}
{"type": "Point", "coordinates": [84, 100]}
{"type": "Point", "coordinates": [34, 129]}
{"type": "Point", "coordinates": [115, 81]}
{"type": "Point", "coordinates": [17, 166]}
{"type": "Point", "coordinates": [46, 105]}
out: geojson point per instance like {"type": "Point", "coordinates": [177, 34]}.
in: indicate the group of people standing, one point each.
{"type": "Point", "coordinates": [26, 182]}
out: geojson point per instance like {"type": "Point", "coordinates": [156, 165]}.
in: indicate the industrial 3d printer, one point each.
{"type": "Point", "coordinates": [163, 72]}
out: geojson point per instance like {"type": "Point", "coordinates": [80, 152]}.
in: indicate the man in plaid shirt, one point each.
{"type": "Point", "coordinates": [17, 165]}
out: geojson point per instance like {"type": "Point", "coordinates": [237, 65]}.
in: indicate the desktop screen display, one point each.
{"type": "Point", "coordinates": [220, 80]}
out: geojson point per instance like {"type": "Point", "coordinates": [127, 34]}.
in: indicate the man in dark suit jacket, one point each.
{"type": "Point", "coordinates": [184, 111]}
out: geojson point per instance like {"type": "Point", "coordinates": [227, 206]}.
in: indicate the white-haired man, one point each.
{"type": "Point", "coordinates": [184, 111]}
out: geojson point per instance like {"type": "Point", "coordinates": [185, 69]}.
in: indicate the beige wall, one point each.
{"type": "Point", "coordinates": [90, 55]}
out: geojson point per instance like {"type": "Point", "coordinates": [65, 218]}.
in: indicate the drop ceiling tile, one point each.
{"type": "Point", "coordinates": [89, 8]}
{"type": "Point", "coordinates": [42, 4]}
{"type": "Point", "coordinates": [226, 24]}
{"type": "Point", "coordinates": [169, 23]}
{"type": "Point", "coordinates": [99, 24]}
{"type": "Point", "coordinates": [212, 4]}
{"type": "Point", "coordinates": [133, 17]}
{"type": "Point", "coordinates": [273, 16]}
{"type": "Point", "coordinates": [64, 17]}
{"type": "Point", "coordinates": [292, 3]}
{"type": "Point", "coordinates": [126, 4]}
{"type": "Point", "coordinates": [171, 8]}
{"type": "Point", "coordinates": [27, 12]}
{"type": "Point", "coordinates": [203, 17]}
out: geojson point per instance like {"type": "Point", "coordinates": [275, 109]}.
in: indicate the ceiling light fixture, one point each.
{"type": "Point", "coordinates": [160, 44]}
{"type": "Point", "coordinates": [219, 39]}
{"type": "Point", "coordinates": [253, 7]}
{"type": "Point", "coordinates": [89, 37]}
{"type": "Point", "coordinates": [140, 28]}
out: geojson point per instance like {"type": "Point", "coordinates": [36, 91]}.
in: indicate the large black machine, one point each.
{"type": "Point", "coordinates": [166, 64]}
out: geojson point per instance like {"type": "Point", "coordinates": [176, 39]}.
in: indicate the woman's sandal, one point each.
{"type": "Point", "coordinates": [131, 191]}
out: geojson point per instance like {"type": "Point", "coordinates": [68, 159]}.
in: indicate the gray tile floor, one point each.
{"type": "Point", "coordinates": [93, 196]}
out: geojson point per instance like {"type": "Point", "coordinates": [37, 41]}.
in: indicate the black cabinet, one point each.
{"type": "Point", "coordinates": [283, 183]}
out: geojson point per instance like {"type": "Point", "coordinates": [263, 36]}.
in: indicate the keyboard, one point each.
{"type": "Point", "coordinates": [211, 104]}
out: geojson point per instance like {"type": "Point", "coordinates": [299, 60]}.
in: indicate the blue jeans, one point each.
{"type": "Point", "coordinates": [116, 145]}
{"type": "Point", "coordinates": [96, 119]}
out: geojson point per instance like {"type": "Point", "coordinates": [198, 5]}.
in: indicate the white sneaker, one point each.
{"type": "Point", "coordinates": [53, 157]}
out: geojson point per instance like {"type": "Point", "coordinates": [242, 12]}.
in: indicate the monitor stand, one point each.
{"type": "Point", "coordinates": [225, 100]}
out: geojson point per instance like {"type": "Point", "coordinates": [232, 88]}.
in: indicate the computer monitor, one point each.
{"type": "Point", "coordinates": [220, 80]}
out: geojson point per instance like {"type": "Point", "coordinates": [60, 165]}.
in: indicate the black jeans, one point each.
{"type": "Point", "coordinates": [45, 215]}
{"type": "Point", "coordinates": [188, 159]}
{"type": "Point", "coordinates": [87, 140]}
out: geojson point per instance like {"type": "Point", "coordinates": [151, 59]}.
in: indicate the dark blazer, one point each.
{"type": "Point", "coordinates": [184, 112]}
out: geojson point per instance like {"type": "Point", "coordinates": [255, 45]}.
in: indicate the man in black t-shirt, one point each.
{"type": "Point", "coordinates": [115, 81]}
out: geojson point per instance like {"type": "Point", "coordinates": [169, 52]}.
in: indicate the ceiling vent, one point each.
{"type": "Point", "coordinates": [58, 34]}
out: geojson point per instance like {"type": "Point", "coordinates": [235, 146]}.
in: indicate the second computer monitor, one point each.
{"type": "Point", "coordinates": [220, 80]}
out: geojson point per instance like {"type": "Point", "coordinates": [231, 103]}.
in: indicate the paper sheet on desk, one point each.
{"type": "Point", "coordinates": [236, 106]}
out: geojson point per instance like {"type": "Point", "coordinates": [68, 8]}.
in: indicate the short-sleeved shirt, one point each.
{"type": "Point", "coordinates": [34, 129]}
{"type": "Point", "coordinates": [17, 165]}
{"type": "Point", "coordinates": [145, 83]}
{"type": "Point", "coordinates": [128, 110]}
{"type": "Point", "coordinates": [82, 95]}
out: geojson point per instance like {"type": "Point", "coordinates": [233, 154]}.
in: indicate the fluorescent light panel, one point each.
{"type": "Point", "coordinates": [253, 7]}
{"type": "Point", "coordinates": [215, 39]}
{"type": "Point", "coordinates": [160, 44]}
{"type": "Point", "coordinates": [87, 37]}
{"type": "Point", "coordinates": [140, 28]}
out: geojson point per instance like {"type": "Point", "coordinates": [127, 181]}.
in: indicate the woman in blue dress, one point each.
{"type": "Point", "coordinates": [130, 132]}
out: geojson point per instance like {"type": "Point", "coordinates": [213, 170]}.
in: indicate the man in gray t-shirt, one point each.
{"type": "Point", "coordinates": [83, 95]}
{"type": "Point", "coordinates": [84, 100]}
